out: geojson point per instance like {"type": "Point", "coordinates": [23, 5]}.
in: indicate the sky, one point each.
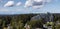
{"type": "Point", "coordinates": [29, 6]}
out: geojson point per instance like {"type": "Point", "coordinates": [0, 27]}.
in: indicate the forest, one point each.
{"type": "Point", "coordinates": [21, 21]}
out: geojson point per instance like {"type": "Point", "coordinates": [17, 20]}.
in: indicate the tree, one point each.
{"type": "Point", "coordinates": [35, 24]}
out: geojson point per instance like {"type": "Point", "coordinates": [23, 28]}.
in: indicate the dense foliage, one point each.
{"type": "Point", "coordinates": [19, 21]}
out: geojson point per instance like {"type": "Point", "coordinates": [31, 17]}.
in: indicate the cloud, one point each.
{"type": "Point", "coordinates": [1, 1]}
{"type": "Point", "coordinates": [9, 4]}
{"type": "Point", "coordinates": [3, 10]}
{"type": "Point", "coordinates": [36, 3]}
{"type": "Point", "coordinates": [37, 7]}
{"type": "Point", "coordinates": [18, 4]}
{"type": "Point", "coordinates": [28, 3]}
{"type": "Point", "coordinates": [37, 0]}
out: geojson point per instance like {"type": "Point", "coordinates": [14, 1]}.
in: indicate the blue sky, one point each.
{"type": "Point", "coordinates": [52, 7]}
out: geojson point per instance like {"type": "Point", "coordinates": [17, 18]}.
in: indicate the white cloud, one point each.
{"type": "Point", "coordinates": [8, 10]}
{"type": "Point", "coordinates": [37, 7]}
{"type": "Point", "coordinates": [1, 1]}
{"type": "Point", "coordinates": [4, 10]}
{"type": "Point", "coordinates": [18, 4]}
{"type": "Point", "coordinates": [28, 3]}
{"type": "Point", "coordinates": [36, 3]}
{"type": "Point", "coordinates": [9, 4]}
{"type": "Point", "coordinates": [38, 0]}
